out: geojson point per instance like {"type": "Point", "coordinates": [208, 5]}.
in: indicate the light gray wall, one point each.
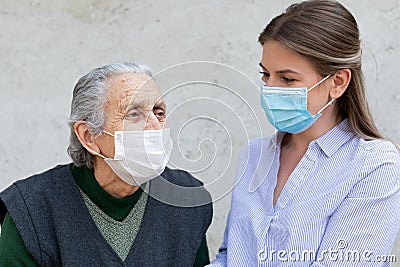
{"type": "Point", "coordinates": [47, 45]}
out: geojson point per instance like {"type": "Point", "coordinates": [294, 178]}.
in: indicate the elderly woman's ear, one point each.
{"type": "Point", "coordinates": [84, 136]}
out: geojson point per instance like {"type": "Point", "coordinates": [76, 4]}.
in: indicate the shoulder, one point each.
{"type": "Point", "coordinates": [381, 163]}
{"type": "Point", "coordinates": [29, 201]}
{"type": "Point", "coordinates": [375, 168]}
{"type": "Point", "coordinates": [255, 146]}
{"type": "Point", "coordinates": [45, 179]}
{"type": "Point", "coordinates": [180, 189]}
{"type": "Point", "coordinates": [379, 145]}
{"type": "Point", "coordinates": [256, 150]}
{"type": "Point", "coordinates": [35, 187]}
{"type": "Point", "coordinates": [51, 174]}
{"type": "Point", "coordinates": [262, 141]}
{"type": "Point", "coordinates": [379, 151]}
{"type": "Point", "coordinates": [181, 178]}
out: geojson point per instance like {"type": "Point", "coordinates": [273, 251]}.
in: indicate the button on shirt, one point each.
{"type": "Point", "coordinates": [339, 207]}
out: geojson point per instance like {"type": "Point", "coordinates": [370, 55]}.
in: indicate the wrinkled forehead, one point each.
{"type": "Point", "coordinates": [133, 89]}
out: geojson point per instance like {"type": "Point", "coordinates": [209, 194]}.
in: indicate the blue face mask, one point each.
{"type": "Point", "coordinates": [286, 108]}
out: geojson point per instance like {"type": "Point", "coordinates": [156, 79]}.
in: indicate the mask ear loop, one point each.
{"type": "Point", "coordinates": [94, 152]}
{"type": "Point", "coordinates": [330, 102]}
{"type": "Point", "coordinates": [318, 83]}
{"type": "Point", "coordinates": [108, 133]}
{"type": "Point", "coordinates": [327, 105]}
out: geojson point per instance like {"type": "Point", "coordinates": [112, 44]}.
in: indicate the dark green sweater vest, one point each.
{"type": "Point", "coordinates": [57, 229]}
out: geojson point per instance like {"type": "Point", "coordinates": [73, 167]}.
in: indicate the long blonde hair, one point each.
{"type": "Point", "coordinates": [326, 33]}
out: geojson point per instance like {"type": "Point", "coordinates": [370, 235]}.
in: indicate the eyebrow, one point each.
{"type": "Point", "coordinates": [160, 104]}
{"type": "Point", "coordinates": [281, 71]}
{"type": "Point", "coordinates": [262, 66]}
{"type": "Point", "coordinates": [136, 103]}
{"type": "Point", "coordinates": [142, 103]}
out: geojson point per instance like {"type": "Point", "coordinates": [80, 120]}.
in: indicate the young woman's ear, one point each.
{"type": "Point", "coordinates": [341, 80]}
{"type": "Point", "coordinates": [84, 136]}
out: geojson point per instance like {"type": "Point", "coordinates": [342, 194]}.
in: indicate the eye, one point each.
{"type": "Point", "coordinates": [134, 115]}
{"type": "Point", "coordinates": [160, 113]}
{"type": "Point", "coordinates": [287, 80]}
{"type": "Point", "coordinates": [265, 76]}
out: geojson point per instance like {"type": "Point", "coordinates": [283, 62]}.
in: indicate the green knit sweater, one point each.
{"type": "Point", "coordinates": [108, 208]}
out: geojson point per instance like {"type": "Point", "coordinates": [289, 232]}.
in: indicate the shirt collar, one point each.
{"type": "Point", "coordinates": [277, 138]}
{"type": "Point", "coordinates": [331, 141]}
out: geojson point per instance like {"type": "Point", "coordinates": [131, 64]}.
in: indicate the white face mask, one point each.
{"type": "Point", "coordinates": [139, 155]}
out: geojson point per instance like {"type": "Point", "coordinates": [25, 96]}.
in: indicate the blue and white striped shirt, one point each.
{"type": "Point", "coordinates": [339, 207]}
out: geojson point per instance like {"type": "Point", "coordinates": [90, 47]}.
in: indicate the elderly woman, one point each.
{"type": "Point", "coordinates": [117, 204]}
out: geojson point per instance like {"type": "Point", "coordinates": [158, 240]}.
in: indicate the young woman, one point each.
{"type": "Point", "coordinates": [325, 189]}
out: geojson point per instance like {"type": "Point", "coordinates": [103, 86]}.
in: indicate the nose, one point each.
{"type": "Point", "coordinates": [152, 123]}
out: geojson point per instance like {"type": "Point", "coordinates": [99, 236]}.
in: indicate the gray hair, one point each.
{"type": "Point", "coordinates": [88, 101]}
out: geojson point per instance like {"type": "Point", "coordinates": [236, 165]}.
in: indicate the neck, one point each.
{"type": "Point", "coordinates": [110, 182]}
{"type": "Point", "coordinates": [325, 123]}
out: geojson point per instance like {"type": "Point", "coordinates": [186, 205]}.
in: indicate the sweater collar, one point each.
{"type": "Point", "coordinates": [117, 208]}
